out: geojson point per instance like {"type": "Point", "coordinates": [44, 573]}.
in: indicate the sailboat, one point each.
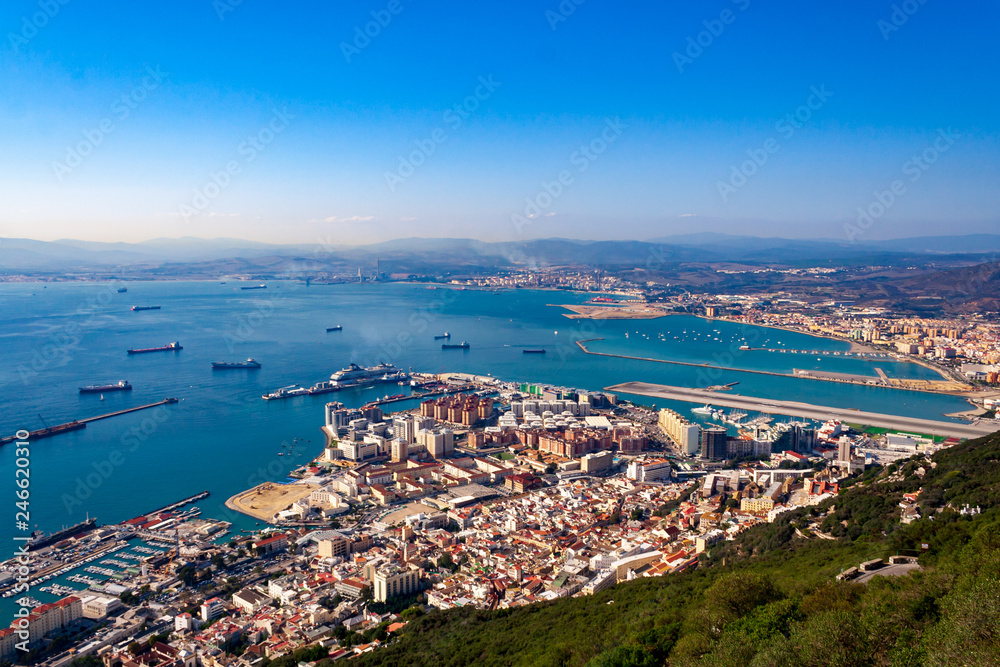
{"type": "Point", "coordinates": [102, 397]}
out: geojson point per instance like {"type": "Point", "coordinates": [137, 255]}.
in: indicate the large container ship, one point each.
{"type": "Point", "coordinates": [166, 348]}
{"type": "Point", "coordinates": [250, 364]}
{"type": "Point", "coordinates": [138, 308]}
{"type": "Point", "coordinates": [121, 385]}
{"type": "Point", "coordinates": [39, 539]}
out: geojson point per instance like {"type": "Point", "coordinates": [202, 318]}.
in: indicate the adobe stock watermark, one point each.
{"type": "Point", "coordinates": [56, 348]}
{"type": "Point", "coordinates": [90, 480]}
{"type": "Point", "coordinates": [562, 13]}
{"type": "Point", "coordinates": [248, 150]}
{"type": "Point", "coordinates": [30, 25]}
{"type": "Point", "coordinates": [453, 118]}
{"type": "Point", "coordinates": [714, 28]}
{"type": "Point", "coordinates": [581, 159]}
{"type": "Point", "coordinates": [786, 128]}
{"type": "Point", "coordinates": [223, 7]}
{"type": "Point", "coordinates": [363, 35]}
{"type": "Point", "coordinates": [121, 109]}
{"type": "Point", "coordinates": [913, 169]}
{"type": "Point", "coordinates": [899, 16]}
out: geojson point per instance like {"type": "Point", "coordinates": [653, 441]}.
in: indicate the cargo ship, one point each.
{"type": "Point", "coordinates": [336, 328]}
{"type": "Point", "coordinates": [533, 351]}
{"type": "Point", "coordinates": [250, 364]}
{"type": "Point", "coordinates": [122, 290]}
{"type": "Point", "coordinates": [39, 539]}
{"type": "Point", "coordinates": [166, 348]}
{"type": "Point", "coordinates": [443, 336]}
{"type": "Point", "coordinates": [122, 385]}
{"type": "Point", "coordinates": [461, 346]}
{"type": "Point", "coordinates": [46, 432]}
{"type": "Point", "coordinates": [136, 309]}
{"type": "Point", "coordinates": [261, 286]}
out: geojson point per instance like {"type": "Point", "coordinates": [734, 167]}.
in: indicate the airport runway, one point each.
{"type": "Point", "coordinates": [796, 409]}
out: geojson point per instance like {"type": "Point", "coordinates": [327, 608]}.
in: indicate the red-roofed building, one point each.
{"type": "Point", "coordinates": [271, 545]}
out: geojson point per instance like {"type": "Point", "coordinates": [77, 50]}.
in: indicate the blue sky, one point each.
{"type": "Point", "coordinates": [496, 120]}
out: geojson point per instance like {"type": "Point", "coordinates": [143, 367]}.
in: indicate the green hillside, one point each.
{"type": "Point", "coordinates": [770, 598]}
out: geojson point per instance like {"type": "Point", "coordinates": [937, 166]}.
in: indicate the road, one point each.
{"type": "Point", "coordinates": [888, 571]}
{"type": "Point", "coordinates": [797, 409]}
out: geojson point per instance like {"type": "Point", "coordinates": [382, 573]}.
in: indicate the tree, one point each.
{"type": "Point", "coordinates": [636, 514]}
{"type": "Point", "coordinates": [550, 469]}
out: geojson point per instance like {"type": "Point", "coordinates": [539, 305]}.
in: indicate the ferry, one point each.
{"type": "Point", "coordinates": [136, 309]}
{"type": "Point", "coordinates": [286, 392]}
{"type": "Point", "coordinates": [171, 346]}
{"type": "Point", "coordinates": [250, 364]}
{"type": "Point", "coordinates": [461, 346]}
{"type": "Point", "coordinates": [122, 385]}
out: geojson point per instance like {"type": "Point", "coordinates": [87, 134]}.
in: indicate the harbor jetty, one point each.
{"type": "Point", "coordinates": [78, 424]}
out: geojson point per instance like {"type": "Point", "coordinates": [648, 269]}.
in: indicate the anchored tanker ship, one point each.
{"type": "Point", "coordinates": [172, 346]}
{"type": "Point", "coordinates": [250, 363]}
{"type": "Point", "coordinates": [121, 385]}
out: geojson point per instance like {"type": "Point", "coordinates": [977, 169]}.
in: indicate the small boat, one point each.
{"type": "Point", "coordinates": [533, 351]}
{"type": "Point", "coordinates": [336, 328]}
{"type": "Point", "coordinates": [442, 336]}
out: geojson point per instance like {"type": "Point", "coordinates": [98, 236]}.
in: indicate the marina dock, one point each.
{"type": "Point", "coordinates": [809, 411]}
{"type": "Point", "coordinates": [78, 424]}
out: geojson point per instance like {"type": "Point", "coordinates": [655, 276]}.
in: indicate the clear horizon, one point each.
{"type": "Point", "coordinates": [391, 119]}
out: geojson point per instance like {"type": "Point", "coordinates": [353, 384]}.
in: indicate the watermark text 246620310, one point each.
{"type": "Point", "coordinates": [22, 533]}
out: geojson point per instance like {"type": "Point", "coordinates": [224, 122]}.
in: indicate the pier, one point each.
{"type": "Point", "coordinates": [78, 424]}
{"type": "Point", "coordinates": [806, 410]}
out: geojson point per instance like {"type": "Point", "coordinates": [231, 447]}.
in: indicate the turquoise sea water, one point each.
{"type": "Point", "coordinates": [224, 438]}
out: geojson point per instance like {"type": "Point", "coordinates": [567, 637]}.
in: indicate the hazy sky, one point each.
{"type": "Point", "coordinates": [286, 122]}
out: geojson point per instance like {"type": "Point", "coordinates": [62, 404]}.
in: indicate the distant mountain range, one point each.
{"type": "Point", "coordinates": [409, 254]}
